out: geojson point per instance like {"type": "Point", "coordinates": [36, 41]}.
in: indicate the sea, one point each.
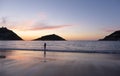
{"type": "Point", "coordinates": [63, 46]}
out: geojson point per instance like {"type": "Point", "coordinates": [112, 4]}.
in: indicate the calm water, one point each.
{"type": "Point", "coordinates": [84, 46]}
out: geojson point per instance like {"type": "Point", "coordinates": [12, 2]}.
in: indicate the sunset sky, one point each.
{"type": "Point", "coordinates": [71, 19]}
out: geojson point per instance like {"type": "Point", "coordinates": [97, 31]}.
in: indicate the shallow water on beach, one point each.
{"type": "Point", "coordinates": [91, 46]}
{"type": "Point", "coordinates": [33, 63]}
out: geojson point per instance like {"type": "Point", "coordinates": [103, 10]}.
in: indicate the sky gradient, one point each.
{"type": "Point", "coordinates": [71, 19]}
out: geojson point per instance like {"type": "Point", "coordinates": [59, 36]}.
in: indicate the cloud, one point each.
{"type": "Point", "coordinates": [48, 27]}
{"type": "Point", "coordinates": [32, 25]}
{"type": "Point", "coordinates": [38, 23]}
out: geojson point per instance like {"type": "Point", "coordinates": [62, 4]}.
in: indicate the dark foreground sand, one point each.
{"type": "Point", "coordinates": [29, 63]}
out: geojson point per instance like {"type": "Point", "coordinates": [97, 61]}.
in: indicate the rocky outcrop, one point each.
{"type": "Point", "coordinates": [52, 37]}
{"type": "Point", "coordinates": [115, 36]}
{"type": "Point", "coordinates": [6, 34]}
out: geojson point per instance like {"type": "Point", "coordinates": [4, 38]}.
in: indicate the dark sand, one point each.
{"type": "Point", "coordinates": [30, 63]}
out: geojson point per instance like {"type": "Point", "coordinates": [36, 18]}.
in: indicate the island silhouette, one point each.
{"type": "Point", "coordinates": [6, 34]}
{"type": "Point", "coordinates": [115, 36]}
{"type": "Point", "coordinates": [51, 37]}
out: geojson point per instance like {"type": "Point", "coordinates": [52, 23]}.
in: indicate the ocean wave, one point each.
{"type": "Point", "coordinates": [75, 51]}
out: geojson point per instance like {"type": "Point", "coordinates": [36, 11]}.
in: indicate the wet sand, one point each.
{"type": "Point", "coordinates": [30, 63]}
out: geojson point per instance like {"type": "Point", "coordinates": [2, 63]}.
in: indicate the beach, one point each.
{"type": "Point", "coordinates": [33, 63]}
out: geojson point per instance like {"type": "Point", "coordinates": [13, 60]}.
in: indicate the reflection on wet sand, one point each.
{"type": "Point", "coordinates": [34, 63]}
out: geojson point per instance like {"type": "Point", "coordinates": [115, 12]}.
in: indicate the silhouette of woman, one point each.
{"type": "Point", "coordinates": [44, 49]}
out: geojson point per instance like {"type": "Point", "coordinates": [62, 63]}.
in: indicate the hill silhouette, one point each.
{"type": "Point", "coordinates": [115, 36]}
{"type": "Point", "coordinates": [6, 34]}
{"type": "Point", "coordinates": [51, 37]}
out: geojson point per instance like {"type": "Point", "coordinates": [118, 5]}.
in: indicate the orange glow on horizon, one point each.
{"type": "Point", "coordinates": [67, 33]}
{"type": "Point", "coordinates": [31, 35]}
